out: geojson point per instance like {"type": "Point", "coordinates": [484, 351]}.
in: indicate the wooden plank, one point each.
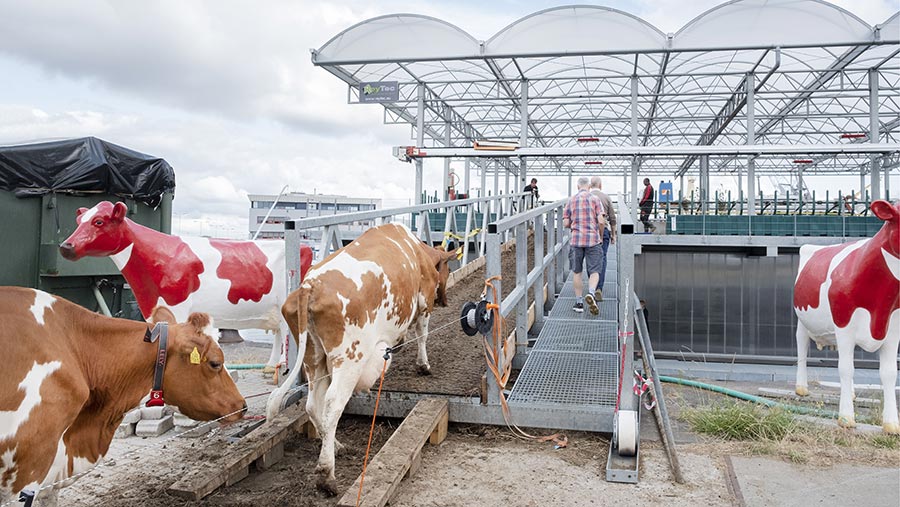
{"type": "Point", "coordinates": [440, 431]}
{"type": "Point", "coordinates": [270, 458]}
{"type": "Point", "coordinates": [234, 463]}
{"type": "Point", "coordinates": [390, 465]}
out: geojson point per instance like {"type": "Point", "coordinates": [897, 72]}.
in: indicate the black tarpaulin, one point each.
{"type": "Point", "coordinates": [87, 165]}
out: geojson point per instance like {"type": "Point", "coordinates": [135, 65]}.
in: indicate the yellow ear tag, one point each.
{"type": "Point", "coordinates": [195, 356]}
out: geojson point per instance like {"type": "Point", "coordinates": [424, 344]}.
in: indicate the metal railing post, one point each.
{"type": "Point", "coordinates": [492, 265]}
{"type": "Point", "coordinates": [538, 261]}
{"type": "Point", "coordinates": [522, 281]}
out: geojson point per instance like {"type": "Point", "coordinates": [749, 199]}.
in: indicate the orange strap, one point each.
{"type": "Point", "coordinates": [493, 360]}
{"type": "Point", "coordinates": [362, 478]}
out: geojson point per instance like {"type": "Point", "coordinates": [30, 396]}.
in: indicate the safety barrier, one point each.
{"type": "Point", "coordinates": [476, 213]}
{"type": "Point", "coordinates": [546, 222]}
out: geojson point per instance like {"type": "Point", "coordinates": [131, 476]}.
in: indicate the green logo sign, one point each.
{"type": "Point", "coordinates": [379, 91]}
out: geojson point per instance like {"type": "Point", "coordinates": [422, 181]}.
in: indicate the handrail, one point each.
{"type": "Point", "coordinates": [510, 222]}
{"type": "Point", "coordinates": [312, 222]}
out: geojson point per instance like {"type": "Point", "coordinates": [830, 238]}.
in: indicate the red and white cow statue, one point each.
{"type": "Point", "coordinates": [241, 284]}
{"type": "Point", "coordinates": [847, 295]}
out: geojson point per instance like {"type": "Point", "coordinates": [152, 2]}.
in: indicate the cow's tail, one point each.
{"type": "Point", "coordinates": [295, 312]}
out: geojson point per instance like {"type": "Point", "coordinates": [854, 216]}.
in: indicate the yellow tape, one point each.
{"type": "Point", "coordinates": [449, 235]}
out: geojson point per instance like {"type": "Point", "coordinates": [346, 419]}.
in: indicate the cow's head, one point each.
{"type": "Point", "coordinates": [101, 231]}
{"type": "Point", "coordinates": [441, 261]}
{"type": "Point", "coordinates": [890, 213]}
{"type": "Point", "coordinates": [195, 379]}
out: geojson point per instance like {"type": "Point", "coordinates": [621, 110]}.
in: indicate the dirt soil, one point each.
{"type": "Point", "coordinates": [457, 360]}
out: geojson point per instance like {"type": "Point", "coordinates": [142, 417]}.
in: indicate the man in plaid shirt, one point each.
{"type": "Point", "coordinates": [584, 216]}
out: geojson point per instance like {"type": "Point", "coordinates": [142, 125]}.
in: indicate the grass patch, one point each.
{"type": "Point", "coordinates": [740, 421]}
{"type": "Point", "coordinates": [890, 442]}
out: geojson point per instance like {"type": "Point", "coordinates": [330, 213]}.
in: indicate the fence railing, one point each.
{"type": "Point", "coordinates": [726, 203]}
{"type": "Point", "coordinates": [425, 219]}
{"type": "Point", "coordinates": [546, 222]}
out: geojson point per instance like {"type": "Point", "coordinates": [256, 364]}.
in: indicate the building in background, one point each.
{"type": "Point", "coordinates": [294, 206]}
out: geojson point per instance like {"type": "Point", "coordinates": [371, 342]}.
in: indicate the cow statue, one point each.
{"type": "Point", "coordinates": [241, 284]}
{"type": "Point", "coordinates": [847, 295]}
{"type": "Point", "coordinates": [69, 376]}
{"type": "Point", "coordinates": [349, 309]}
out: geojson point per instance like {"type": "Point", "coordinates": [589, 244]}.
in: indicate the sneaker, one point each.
{"type": "Point", "coordinates": [592, 304]}
{"type": "Point", "coordinates": [599, 296]}
{"type": "Point", "coordinates": [578, 308]}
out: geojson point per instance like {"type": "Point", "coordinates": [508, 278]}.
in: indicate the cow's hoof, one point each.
{"type": "Point", "coordinates": [423, 369]}
{"type": "Point", "coordinates": [328, 485]}
{"type": "Point", "coordinates": [802, 391]}
{"type": "Point", "coordinates": [891, 428]}
{"type": "Point", "coordinates": [846, 421]}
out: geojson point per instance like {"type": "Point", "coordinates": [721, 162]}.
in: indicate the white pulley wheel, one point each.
{"type": "Point", "coordinates": [627, 432]}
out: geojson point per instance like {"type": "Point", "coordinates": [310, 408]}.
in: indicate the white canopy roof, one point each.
{"type": "Point", "coordinates": [810, 62]}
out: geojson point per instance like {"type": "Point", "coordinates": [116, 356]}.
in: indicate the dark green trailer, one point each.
{"type": "Point", "coordinates": [42, 186]}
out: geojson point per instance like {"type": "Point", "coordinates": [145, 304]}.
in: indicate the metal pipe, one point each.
{"type": "Point", "coordinates": [104, 309]}
{"type": "Point", "coordinates": [266, 218]}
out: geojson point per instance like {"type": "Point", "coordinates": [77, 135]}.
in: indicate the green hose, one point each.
{"type": "Point", "coordinates": [797, 409]}
{"type": "Point", "coordinates": [248, 366]}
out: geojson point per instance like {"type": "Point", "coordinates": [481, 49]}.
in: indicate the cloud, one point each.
{"type": "Point", "coordinates": [226, 92]}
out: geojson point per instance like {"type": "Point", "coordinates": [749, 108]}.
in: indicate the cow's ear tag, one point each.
{"type": "Point", "coordinates": [195, 356]}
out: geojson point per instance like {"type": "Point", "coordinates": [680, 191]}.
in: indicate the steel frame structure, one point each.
{"type": "Point", "coordinates": [819, 76]}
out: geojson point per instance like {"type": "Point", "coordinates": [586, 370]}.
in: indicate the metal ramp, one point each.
{"type": "Point", "coordinates": [574, 363]}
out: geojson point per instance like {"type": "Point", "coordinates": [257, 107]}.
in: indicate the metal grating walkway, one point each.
{"type": "Point", "coordinates": [573, 365]}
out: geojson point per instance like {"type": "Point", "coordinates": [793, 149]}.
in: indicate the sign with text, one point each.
{"type": "Point", "coordinates": [379, 91]}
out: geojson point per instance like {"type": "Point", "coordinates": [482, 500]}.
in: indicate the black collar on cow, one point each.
{"type": "Point", "coordinates": [161, 331]}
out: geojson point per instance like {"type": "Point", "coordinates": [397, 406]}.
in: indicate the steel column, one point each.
{"type": "Point", "coordinates": [635, 161]}
{"type": "Point", "coordinates": [874, 159]}
{"type": "Point", "coordinates": [751, 139]}
{"type": "Point", "coordinates": [466, 175]}
{"type": "Point", "coordinates": [704, 183]}
{"type": "Point", "coordinates": [496, 177]}
{"type": "Point", "coordinates": [447, 141]}
{"type": "Point", "coordinates": [862, 182]}
{"type": "Point", "coordinates": [523, 133]}
{"type": "Point", "coordinates": [420, 138]}
{"type": "Point", "coordinates": [482, 166]}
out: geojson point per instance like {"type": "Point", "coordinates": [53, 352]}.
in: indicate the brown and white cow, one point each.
{"type": "Point", "coordinates": [241, 284]}
{"type": "Point", "coordinates": [351, 306]}
{"type": "Point", "coordinates": [848, 295]}
{"type": "Point", "coordinates": [69, 375]}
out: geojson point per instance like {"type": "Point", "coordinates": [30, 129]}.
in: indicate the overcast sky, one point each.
{"type": "Point", "coordinates": [226, 93]}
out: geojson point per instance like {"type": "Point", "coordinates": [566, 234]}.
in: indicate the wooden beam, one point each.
{"type": "Point", "coordinates": [398, 455]}
{"type": "Point", "coordinates": [234, 463]}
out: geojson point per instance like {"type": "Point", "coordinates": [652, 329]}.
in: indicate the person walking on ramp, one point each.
{"type": "Point", "coordinates": [584, 217]}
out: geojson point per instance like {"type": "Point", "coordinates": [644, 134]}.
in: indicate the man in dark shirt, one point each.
{"type": "Point", "coordinates": [646, 205]}
{"type": "Point", "coordinates": [533, 188]}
